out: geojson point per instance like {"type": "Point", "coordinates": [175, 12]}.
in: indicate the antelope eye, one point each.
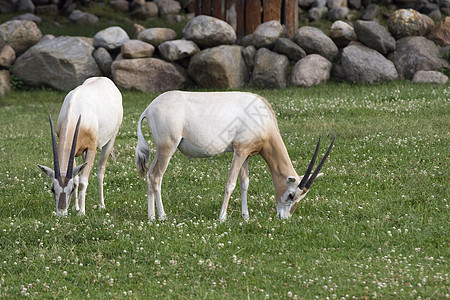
{"type": "Point", "coordinates": [291, 196]}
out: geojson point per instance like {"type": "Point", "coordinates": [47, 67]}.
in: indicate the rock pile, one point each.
{"type": "Point", "coordinates": [175, 10]}
{"type": "Point", "coordinates": [342, 9]}
{"type": "Point", "coordinates": [208, 55]}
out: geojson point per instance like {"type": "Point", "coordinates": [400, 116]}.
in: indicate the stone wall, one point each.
{"type": "Point", "coordinates": [209, 55]}
{"type": "Point", "coordinates": [140, 9]}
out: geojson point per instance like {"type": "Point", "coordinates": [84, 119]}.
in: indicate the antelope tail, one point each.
{"type": "Point", "coordinates": [142, 149]}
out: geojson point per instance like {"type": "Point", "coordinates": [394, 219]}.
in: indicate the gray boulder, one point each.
{"type": "Point", "coordinates": [219, 67]}
{"type": "Point", "coordinates": [20, 35]}
{"type": "Point", "coordinates": [144, 10]}
{"type": "Point", "coordinates": [83, 18]}
{"type": "Point", "coordinates": [208, 31]}
{"type": "Point", "coordinates": [110, 38]}
{"type": "Point", "coordinates": [316, 13]}
{"type": "Point", "coordinates": [28, 17]}
{"type": "Point", "coordinates": [266, 34]}
{"type": "Point", "coordinates": [48, 10]}
{"type": "Point", "coordinates": [61, 63]}
{"type": "Point", "coordinates": [156, 36]}
{"type": "Point", "coordinates": [364, 65]}
{"type": "Point", "coordinates": [66, 8]}
{"type": "Point", "coordinates": [47, 37]}
{"type": "Point", "coordinates": [178, 49]}
{"type": "Point", "coordinates": [342, 33]}
{"type": "Point", "coordinates": [409, 22]}
{"type": "Point", "coordinates": [137, 28]}
{"type": "Point", "coordinates": [311, 70]}
{"type": "Point", "coordinates": [104, 60]}
{"type": "Point", "coordinates": [249, 54]}
{"type": "Point", "coordinates": [287, 47]}
{"type": "Point", "coordinates": [336, 3]}
{"type": "Point", "coordinates": [370, 13]}
{"type": "Point", "coordinates": [120, 5]}
{"type": "Point", "coordinates": [374, 36]}
{"type": "Point", "coordinates": [270, 69]}
{"type": "Point", "coordinates": [319, 3]}
{"type": "Point", "coordinates": [247, 40]}
{"type": "Point", "coordinates": [7, 56]}
{"type": "Point", "coordinates": [25, 6]}
{"type": "Point", "coordinates": [147, 75]}
{"type": "Point", "coordinates": [168, 7]}
{"type": "Point", "coordinates": [338, 13]}
{"type": "Point", "coordinates": [429, 77]}
{"type": "Point", "coordinates": [445, 7]}
{"type": "Point", "coordinates": [416, 53]}
{"type": "Point", "coordinates": [179, 18]}
{"type": "Point", "coordinates": [314, 41]}
{"type": "Point", "coordinates": [137, 49]}
{"type": "Point", "coordinates": [354, 4]}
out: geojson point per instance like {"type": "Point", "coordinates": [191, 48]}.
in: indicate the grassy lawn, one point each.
{"type": "Point", "coordinates": [376, 225]}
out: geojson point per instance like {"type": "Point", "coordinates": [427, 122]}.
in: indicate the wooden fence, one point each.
{"type": "Point", "coordinates": [246, 15]}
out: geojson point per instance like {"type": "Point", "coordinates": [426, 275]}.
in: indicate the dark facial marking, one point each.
{"type": "Point", "coordinates": [63, 181]}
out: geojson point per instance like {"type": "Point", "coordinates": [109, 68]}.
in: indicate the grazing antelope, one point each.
{"type": "Point", "coordinates": [97, 104]}
{"type": "Point", "coordinates": [207, 124]}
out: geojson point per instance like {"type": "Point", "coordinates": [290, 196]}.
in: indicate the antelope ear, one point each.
{"type": "Point", "coordinates": [47, 171]}
{"type": "Point", "coordinates": [77, 170]}
{"type": "Point", "coordinates": [290, 180]}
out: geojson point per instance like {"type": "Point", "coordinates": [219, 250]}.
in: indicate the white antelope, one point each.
{"type": "Point", "coordinates": [97, 103]}
{"type": "Point", "coordinates": [207, 124]}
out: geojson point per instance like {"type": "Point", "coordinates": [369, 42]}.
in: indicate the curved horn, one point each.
{"type": "Point", "coordinates": [72, 150]}
{"type": "Point", "coordinates": [317, 170]}
{"type": "Point", "coordinates": [311, 164]}
{"type": "Point", "coordinates": [55, 150]}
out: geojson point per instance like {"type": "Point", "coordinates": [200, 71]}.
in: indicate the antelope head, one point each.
{"type": "Point", "coordinates": [63, 184]}
{"type": "Point", "coordinates": [297, 191]}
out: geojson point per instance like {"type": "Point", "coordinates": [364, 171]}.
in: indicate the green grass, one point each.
{"type": "Point", "coordinates": [376, 225]}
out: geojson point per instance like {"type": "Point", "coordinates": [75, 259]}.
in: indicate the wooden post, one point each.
{"type": "Point", "coordinates": [271, 10]}
{"type": "Point", "coordinates": [291, 16]}
{"type": "Point", "coordinates": [218, 9]}
{"type": "Point", "coordinates": [245, 15]}
{"type": "Point", "coordinates": [206, 7]}
{"type": "Point", "coordinates": [240, 18]}
{"type": "Point", "coordinates": [253, 10]}
{"type": "Point", "coordinates": [197, 8]}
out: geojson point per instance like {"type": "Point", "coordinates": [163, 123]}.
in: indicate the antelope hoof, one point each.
{"type": "Point", "coordinates": [75, 208]}
{"type": "Point", "coordinates": [81, 213]}
{"type": "Point", "coordinates": [101, 207]}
